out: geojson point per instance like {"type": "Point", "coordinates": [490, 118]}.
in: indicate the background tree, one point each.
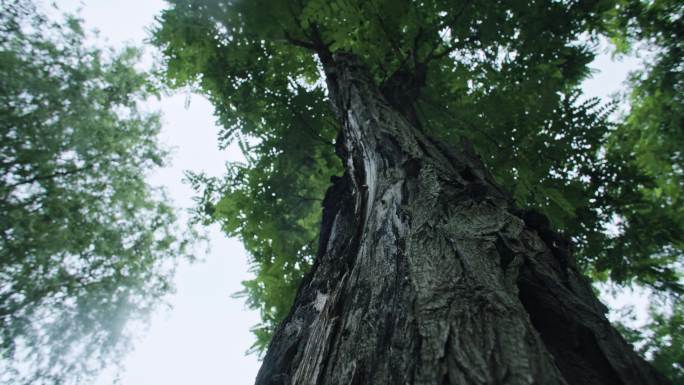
{"type": "Point", "coordinates": [660, 340]}
{"type": "Point", "coordinates": [87, 247]}
{"type": "Point", "coordinates": [649, 139]}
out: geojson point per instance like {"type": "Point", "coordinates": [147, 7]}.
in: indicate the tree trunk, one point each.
{"type": "Point", "coordinates": [427, 274]}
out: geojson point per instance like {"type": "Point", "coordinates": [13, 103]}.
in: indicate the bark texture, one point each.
{"type": "Point", "coordinates": [427, 274]}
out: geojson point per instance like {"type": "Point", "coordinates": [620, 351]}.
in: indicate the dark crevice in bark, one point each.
{"type": "Point", "coordinates": [569, 318]}
{"type": "Point", "coordinates": [575, 348]}
{"type": "Point", "coordinates": [332, 203]}
{"type": "Point", "coordinates": [402, 89]}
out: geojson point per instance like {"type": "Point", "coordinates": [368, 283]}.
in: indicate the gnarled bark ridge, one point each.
{"type": "Point", "coordinates": [427, 274]}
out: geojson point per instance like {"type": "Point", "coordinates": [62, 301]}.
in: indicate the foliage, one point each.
{"type": "Point", "coordinates": [648, 144]}
{"type": "Point", "coordinates": [86, 247]}
{"type": "Point", "coordinates": [505, 74]}
{"type": "Point", "coordinates": [646, 149]}
{"type": "Point", "coordinates": [661, 340]}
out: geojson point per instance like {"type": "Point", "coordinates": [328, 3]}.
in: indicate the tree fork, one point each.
{"type": "Point", "coordinates": [427, 274]}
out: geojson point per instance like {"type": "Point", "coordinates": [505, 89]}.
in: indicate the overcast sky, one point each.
{"type": "Point", "coordinates": [203, 339]}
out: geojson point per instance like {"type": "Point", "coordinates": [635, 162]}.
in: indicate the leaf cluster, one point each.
{"type": "Point", "coordinates": [661, 340]}
{"type": "Point", "coordinates": [649, 140]}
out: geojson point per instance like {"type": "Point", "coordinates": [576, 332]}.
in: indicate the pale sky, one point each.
{"type": "Point", "coordinates": [203, 339]}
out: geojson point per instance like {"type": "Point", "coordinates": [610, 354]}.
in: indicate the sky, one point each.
{"type": "Point", "coordinates": [204, 337]}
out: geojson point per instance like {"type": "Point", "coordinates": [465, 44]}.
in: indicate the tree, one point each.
{"type": "Point", "coordinates": [434, 264]}
{"type": "Point", "coordinates": [87, 247]}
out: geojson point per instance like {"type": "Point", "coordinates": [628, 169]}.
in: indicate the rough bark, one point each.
{"type": "Point", "coordinates": [427, 273]}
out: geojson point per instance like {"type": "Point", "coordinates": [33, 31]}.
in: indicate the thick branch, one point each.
{"type": "Point", "coordinates": [48, 176]}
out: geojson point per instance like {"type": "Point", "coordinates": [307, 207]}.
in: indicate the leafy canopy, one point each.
{"type": "Point", "coordinates": [661, 340]}
{"type": "Point", "coordinates": [86, 245]}
{"type": "Point", "coordinates": [504, 74]}
{"type": "Point", "coordinates": [650, 138]}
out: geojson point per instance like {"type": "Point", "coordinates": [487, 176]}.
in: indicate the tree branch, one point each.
{"type": "Point", "coordinates": [49, 176]}
{"type": "Point", "coordinates": [441, 26]}
{"type": "Point", "coordinates": [300, 43]}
